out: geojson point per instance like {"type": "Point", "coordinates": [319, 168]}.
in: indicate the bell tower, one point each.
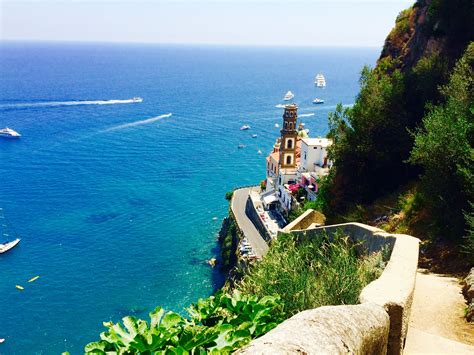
{"type": "Point", "coordinates": [289, 134]}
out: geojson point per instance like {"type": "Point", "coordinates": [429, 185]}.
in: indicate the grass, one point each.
{"type": "Point", "coordinates": [311, 272]}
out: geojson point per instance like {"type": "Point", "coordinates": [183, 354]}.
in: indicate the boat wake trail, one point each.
{"type": "Point", "coordinates": [69, 103]}
{"type": "Point", "coordinates": [306, 115]}
{"type": "Point", "coordinates": [138, 123]}
{"type": "Point", "coordinates": [280, 106]}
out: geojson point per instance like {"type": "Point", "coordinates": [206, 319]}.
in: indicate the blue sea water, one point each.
{"type": "Point", "coordinates": [116, 203]}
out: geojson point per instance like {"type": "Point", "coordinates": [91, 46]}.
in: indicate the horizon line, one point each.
{"type": "Point", "coordinates": [204, 44]}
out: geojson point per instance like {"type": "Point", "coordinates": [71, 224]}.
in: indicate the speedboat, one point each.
{"type": "Point", "coordinates": [8, 245]}
{"type": "Point", "coordinates": [9, 133]}
{"type": "Point", "coordinates": [318, 101]}
{"type": "Point", "coordinates": [244, 127]}
{"type": "Point", "coordinates": [137, 99]}
{"type": "Point", "coordinates": [320, 80]}
{"type": "Point", "coordinates": [288, 96]}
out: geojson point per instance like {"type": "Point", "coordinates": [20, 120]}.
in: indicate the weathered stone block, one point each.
{"type": "Point", "coordinates": [358, 329]}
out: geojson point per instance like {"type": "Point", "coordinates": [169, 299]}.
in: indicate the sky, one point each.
{"type": "Point", "coordinates": [338, 23]}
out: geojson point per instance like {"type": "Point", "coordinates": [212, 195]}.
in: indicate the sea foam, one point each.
{"type": "Point", "coordinates": [68, 103]}
{"type": "Point", "coordinates": [138, 123]}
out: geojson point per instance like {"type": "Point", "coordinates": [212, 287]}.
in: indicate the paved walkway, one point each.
{"type": "Point", "coordinates": [239, 199]}
{"type": "Point", "coordinates": [436, 323]}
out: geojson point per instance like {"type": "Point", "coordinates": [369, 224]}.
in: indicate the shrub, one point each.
{"type": "Point", "coordinates": [310, 272]}
{"type": "Point", "coordinates": [228, 195]}
{"type": "Point", "coordinates": [218, 324]}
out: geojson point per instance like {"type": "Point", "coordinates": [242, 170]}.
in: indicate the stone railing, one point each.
{"type": "Point", "coordinates": [378, 325]}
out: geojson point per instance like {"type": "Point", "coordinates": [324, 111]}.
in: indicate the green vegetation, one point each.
{"type": "Point", "coordinates": [228, 195]}
{"type": "Point", "coordinates": [228, 239]}
{"type": "Point", "coordinates": [444, 147]}
{"type": "Point", "coordinates": [310, 272]}
{"type": "Point", "coordinates": [216, 325]}
{"type": "Point", "coordinates": [403, 130]}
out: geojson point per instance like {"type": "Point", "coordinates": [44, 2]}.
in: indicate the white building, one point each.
{"type": "Point", "coordinates": [314, 163]}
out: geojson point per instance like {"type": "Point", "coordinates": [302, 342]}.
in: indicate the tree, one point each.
{"type": "Point", "coordinates": [444, 148]}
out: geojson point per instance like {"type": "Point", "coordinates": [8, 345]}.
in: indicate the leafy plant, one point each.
{"type": "Point", "coordinates": [220, 323]}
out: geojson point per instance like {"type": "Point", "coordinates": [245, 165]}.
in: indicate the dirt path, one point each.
{"type": "Point", "coordinates": [436, 323]}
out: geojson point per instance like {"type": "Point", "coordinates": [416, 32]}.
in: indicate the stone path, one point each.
{"type": "Point", "coordinates": [249, 230]}
{"type": "Point", "coordinates": [436, 323]}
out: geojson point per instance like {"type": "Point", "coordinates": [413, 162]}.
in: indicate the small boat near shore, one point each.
{"type": "Point", "coordinates": [9, 245]}
{"type": "Point", "coordinates": [137, 99]}
{"type": "Point", "coordinates": [254, 135]}
{"type": "Point", "coordinates": [245, 127]}
{"type": "Point", "coordinates": [318, 101]}
{"type": "Point", "coordinates": [9, 133]}
{"type": "Point", "coordinates": [241, 146]}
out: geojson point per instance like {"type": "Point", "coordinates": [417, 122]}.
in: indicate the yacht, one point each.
{"type": "Point", "coordinates": [8, 245]}
{"type": "Point", "coordinates": [244, 127]}
{"type": "Point", "coordinates": [137, 99]}
{"type": "Point", "coordinates": [318, 101]}
{"type": "Point", "coordinates": [320, 80]}
{"type": "Point", "coordinates": [289, 95]}
{"type": "Point", "coordinates": [9, 133]}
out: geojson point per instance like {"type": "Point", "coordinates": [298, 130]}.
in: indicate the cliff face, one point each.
{"type": "Point", "coordinates": [430, 27]}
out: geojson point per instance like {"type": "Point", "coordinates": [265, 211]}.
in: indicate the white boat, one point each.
{"type": "Point", "coordinates": [137, 99]}
{"type": "Point", "coordinates": [244, 127]}
{"type": "Point", "coordinates": [288, 96]}
{"type": "Point", "coordinates": [254, 136]}
{"type": "Point", "coordinates": [277, 125]}
{"type": "Point", "coordinates": [8, 245]}
{"type": "Point", "coordinates": [318, 101]}
{"type": "Point", "coordinates": [320, 80]}
{"type": "Point", "coordinates": [5, 230]}
{"type": "Point", "coordinates": [9, 133]}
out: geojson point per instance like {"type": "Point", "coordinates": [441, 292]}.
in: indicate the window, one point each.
{"type": "Point", "coordinates": [289, 143]}
{"type": "Point", "coordinates": [286, 125]}
{"type": "Point", "coordinates": [304, 157]}
{"type": "Point", "coordinates": [288, 160]}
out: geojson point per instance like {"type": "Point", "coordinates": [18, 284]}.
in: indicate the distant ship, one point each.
{"type": "Point", "coordinates": [244, 127]}
{"type": "Point", "coordinates": [318, 101]}
{"type": "Point", "coordinates": [137, 99]}
{"type": "Point", "coordinates": [320, 80]}
{"type": "Point", "coordinates": [289, 95]}
{"type": "Point", "coordinates": [9, 133]}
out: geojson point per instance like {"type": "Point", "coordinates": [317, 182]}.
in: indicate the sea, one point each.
{"type": "Point", "coordinates": [118, 203]}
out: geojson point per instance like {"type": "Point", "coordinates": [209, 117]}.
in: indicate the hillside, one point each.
{"type": "Point", "coordinates": [412, 125]}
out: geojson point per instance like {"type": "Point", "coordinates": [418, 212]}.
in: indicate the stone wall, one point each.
{"type": "Point", "coordinates": [308, 219]}
{"type": "Point", "coordinates": [355, 329]}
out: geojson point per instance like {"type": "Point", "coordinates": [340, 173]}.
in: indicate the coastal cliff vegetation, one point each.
{"type": "Point", "coordinates": [411, 133]}
{"type": "Point", "coordinates": [307, 272]}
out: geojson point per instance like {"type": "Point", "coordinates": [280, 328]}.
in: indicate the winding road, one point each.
{"type": "Point", "coordinates": [239, 199]}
